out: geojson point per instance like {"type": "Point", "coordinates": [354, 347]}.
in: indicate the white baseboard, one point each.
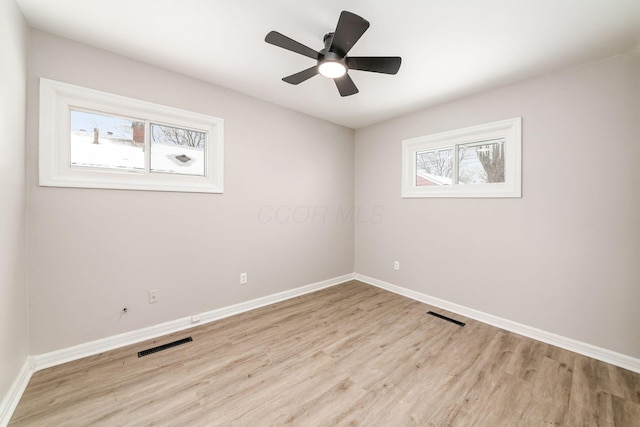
{"type": "Point", "coordinates": [580, 347]}
{"type": "Point", "coordinates": [46, 360]}
{"type": "Point", "coordinates": [11, 399]}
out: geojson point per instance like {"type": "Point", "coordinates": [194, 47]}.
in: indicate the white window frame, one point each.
{"type": "Point", "coordinates": [510, 130]}
{"type": "Point", "coordinates": [56, 101]}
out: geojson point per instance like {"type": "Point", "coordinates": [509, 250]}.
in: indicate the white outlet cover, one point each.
{"type": "Point", "coordinates": [154, 296]}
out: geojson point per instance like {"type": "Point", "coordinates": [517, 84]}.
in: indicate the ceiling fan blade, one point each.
{"type": "Point", "coordinates": [348, 31]}
{"type": "Point", "coordinates": [280, 40]}
{"type": "Point", "coordinates": [346, 86]}
{"type": "Point", "coordinates": [375, 64]}
{"type": "Point", "coordinates": [298, 78]}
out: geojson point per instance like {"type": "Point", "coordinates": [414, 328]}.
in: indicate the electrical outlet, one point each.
{"type": "Point", "coordinates": [396, 265]}
{"type": "Point", "coordinates": [154, 296]}
{"type": "Point", "coordinates": [243, 278]}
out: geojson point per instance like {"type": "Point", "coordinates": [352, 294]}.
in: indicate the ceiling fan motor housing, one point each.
{"type": "Point", "coordinates": [331, 56]}
{"type": "Point", "coordinates": [331, 64]}
{"type": "Point", "coordinates": [327, 55]}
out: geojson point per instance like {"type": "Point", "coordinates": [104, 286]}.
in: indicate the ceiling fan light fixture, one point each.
{"type": "Point", "coordinates": [332, 69]}
{"type": "Point", "coordinates": [332, 61]}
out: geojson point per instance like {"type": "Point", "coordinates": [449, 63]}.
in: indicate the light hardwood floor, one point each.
{"type": "Point", "coordinates": [348, 355]}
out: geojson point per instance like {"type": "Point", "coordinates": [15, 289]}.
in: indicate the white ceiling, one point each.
{"type": "Point", "coordinates": [450, 48]}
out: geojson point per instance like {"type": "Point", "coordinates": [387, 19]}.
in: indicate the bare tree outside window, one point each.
{"type": "Point", "coordinates": [492, 159]}
{"type": "Point", "coordinates": [438, 163]}
{"type": "Point", "coordinates": [481, 163]}
{"type": "Point", "coordinates": [177, 136]}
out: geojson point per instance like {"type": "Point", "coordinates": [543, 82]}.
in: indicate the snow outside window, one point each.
{"type": "Point", "coordinates": [94, 139]}
{"type": "Point", "coordinates": [479, 161]}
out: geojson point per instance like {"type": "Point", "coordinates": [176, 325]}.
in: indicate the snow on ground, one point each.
{"type": "Point", "coordinates": [163, 159]}
{"type": "Point", "coordinates": [113, 153]}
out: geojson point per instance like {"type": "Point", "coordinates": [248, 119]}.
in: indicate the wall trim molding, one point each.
{"type": "Point", "coordinates": [11, 399]}
{"type": "Point", "coordinates": [608, 356]}
{"type": "Point", "coordinates": [57, 357]}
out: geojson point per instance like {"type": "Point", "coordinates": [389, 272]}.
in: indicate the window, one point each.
{"type": "Point", "coordinates": [478, 161]}
{"type": "Point", "coordinates": [94, 139]}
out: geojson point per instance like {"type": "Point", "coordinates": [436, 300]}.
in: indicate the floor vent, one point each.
{"type": "Point", "coordinates": [164, 347]}
{"type": "Point", "coordinates": [448, 319]}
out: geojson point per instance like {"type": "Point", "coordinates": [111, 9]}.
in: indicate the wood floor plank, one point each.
{"type": "Point", "coordinates": [589, 405]}
{"type": "Point", "coordinates": [626, 412]}
{"type": "Point", "coordinates": [317, 411]}
{"type": "Point", "coordinates": [348, 355]}
{"type": "Point", "coordinates": [552, 389]}
{"type": "Point", "coordinates": [528, 360]}
{"type": "Point", "coordinates": [624, 383]}
{"type": "Point", "coordinates": [468, 395]}
{"type": "Point", "coordinates": [454, 363]}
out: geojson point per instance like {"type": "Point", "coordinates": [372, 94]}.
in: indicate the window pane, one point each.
{"type": "Point", "coordinates": [434, 167]}
{"type": "Point", "coordinates": [177, 150]}
{"type": "Point", "coordinates": [104, 141]}
{"type": "Point", "coordinates": [481, 162]}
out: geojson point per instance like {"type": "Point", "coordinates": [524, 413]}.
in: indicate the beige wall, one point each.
{"type": "Point", "coordinates": [97, 251]}
{"type": "Point", "coordinates": [565, 257]}
{"type": "Point", "coordinates": [13, 289]}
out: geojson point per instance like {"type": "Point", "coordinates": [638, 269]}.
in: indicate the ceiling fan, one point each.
{"type": "Point", "coordinates": [332, 60]}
